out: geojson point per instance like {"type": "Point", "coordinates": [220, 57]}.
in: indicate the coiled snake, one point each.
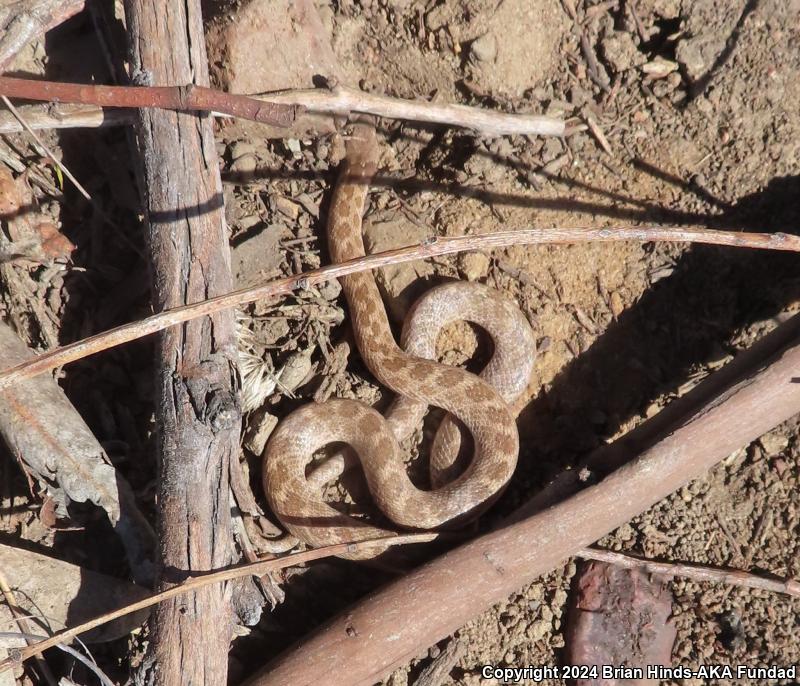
{"type": "Point", "coordinates": [481, 404]}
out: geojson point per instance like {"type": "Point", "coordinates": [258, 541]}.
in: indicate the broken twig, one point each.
{"type": "Point", "coordinates": [694, 572]}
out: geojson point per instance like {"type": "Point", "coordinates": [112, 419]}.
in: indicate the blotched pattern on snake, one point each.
{"type": "Point", "coordinates": [482, 404]}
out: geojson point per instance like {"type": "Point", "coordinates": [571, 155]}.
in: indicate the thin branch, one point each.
{"type": "Point", "coordinates": [44, 150]}
{"type": "Point", "coordinates": [260, 568]}
{"type": "Point", "coordinates": [22, 622]}
{"type": "Point", "coordinates": [281, 108]}
{"type": "Point", "coordinates": [695, 572]}
{"type": "Point", "coordinates": [435, 246]}
{"type": "Point", "coordinates": [343, 101]}
{"type": "Point", "coordinates": [90, 664]}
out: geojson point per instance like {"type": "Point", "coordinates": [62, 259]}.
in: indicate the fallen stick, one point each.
{"type": "Point", "coordinates": [435, 246]}
{"type": "Point", "coordinates": [281, 108]}
{"type": "Point", "coordinates": [695, 572]}
{"type": "Point", "coordinates": [398, 622]}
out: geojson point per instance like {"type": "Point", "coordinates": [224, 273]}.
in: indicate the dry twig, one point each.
{"type": "Point", "coordinates": [695, 572]}
{"type": "Point", "coordinates": [281, 108]}
{"type": "Point", "coordinates": [435, 246]}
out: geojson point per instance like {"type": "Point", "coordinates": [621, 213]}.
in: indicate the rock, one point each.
{"type": "Point", "coordinates": [295, 371]}
{"type": "Point", "coordinates": [659, 67]}
{"type": "Point", "coordinates": [668, 9]}
{"type": "Point", "coordinates": [293, 146]}
{"type": "Point", "coordinates": [484, 49]}
{"type": "Point", "coordinates": [621, 52]}
{"type": "Point", "coordinates": [246, 164]}
{"type": "Point", "coordinates": [261, 426]}
{"type": "Point", "coordinates": [437, 17]}
{"type": "Point", "coordinates": [617, 304]}
{"type": "Point", "coordinates": [539, 630]}
{"type": "Point", "coordinates": [287, 207]}
{"type": "Point", "coordinates": [473, 265]}
{"type": "Point", "coordinates": [619, 616]}
{"type": "Point", "coordinates": [242, 148]}
{"type": "Point", "coordinates": [774, 443]}
{"type": "Point", "coordinates": [689, 54]}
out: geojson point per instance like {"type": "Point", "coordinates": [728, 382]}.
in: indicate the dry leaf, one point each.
{"type": "Point", "coordinates": [44, 432]}
{"type": "Point", "coordinates": [54, 243]}
{"type": "Point", "coordinates": [9, 195]}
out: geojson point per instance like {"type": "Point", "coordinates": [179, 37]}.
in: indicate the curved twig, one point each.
{"type": "Point", "coordinates": [430, 248]}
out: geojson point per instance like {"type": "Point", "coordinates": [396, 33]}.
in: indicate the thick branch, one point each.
{"type": "Point", "coordinates": [196, 389]}
{"type": "Point", "coordinates": [400, 621]}
{"type": "Point", "coordinates": [280, 109]}
{"type": "Point", "coordinates": [438, 246]}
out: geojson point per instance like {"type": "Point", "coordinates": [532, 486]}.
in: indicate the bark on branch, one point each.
{"type": "Point", "coordinates": [196, 402]}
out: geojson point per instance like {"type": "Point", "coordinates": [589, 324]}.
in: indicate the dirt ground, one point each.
{"type": "Point", "coordinates": [698, 105]}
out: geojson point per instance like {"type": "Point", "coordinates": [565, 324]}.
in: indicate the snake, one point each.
{"type": "Point", "coordinates": [482, 404]}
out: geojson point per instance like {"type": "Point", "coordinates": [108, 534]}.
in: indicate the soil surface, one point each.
{"type": "Point", "coordinates": [690, 113]}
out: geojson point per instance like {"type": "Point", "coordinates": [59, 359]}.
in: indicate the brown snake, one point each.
{"type": "Point", "coordinates": [296, 499]}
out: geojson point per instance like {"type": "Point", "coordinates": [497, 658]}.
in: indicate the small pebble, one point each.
{"type": "Point", "coordinates": [473, 265]}
{"type": "Point", "coordinates": [484, 49]}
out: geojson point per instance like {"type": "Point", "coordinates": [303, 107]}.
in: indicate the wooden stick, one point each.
{"type": "Point", "coordinates": [281, 108]}
{"type": "Point", "coordinates": [196, 385]}
{"type": "Point", "coordinates": [343, 100]}
{"type": "Point", "coordinates": [435, 246]}
{"type": "Point", "coordinates": [188, 98]}
{"type": "Point", "coordinates": [398, 622]}
{"type": "Point", "coordinates": [65, 117]}
{"type": "Point", "coordinates": [259, 568]}
{"type": "Point", "coordinates": [693, 571]}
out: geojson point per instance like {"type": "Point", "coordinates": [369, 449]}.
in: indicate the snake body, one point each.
{"type": "Point", "coordinates": [458, 494]}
